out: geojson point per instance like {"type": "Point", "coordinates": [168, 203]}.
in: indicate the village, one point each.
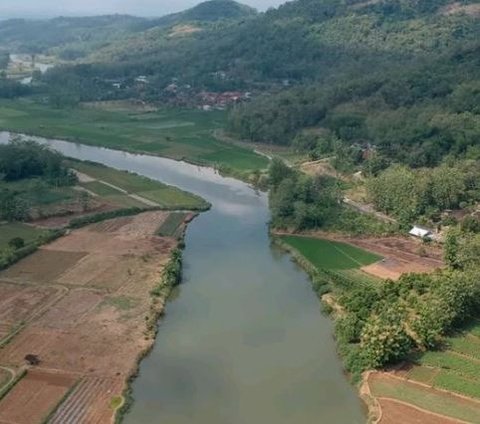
{"type": "Point", "coordinates": [177, 94]}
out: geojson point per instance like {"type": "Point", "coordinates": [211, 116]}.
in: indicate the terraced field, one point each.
{"type": "Point", "coordinates": [445, 382]}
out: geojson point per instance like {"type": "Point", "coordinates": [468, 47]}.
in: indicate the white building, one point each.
{"type": "Point", "coordinates": [421, 232]}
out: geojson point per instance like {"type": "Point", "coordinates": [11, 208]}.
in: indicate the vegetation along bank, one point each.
{"type": "Point", "coordinates": [94, 253]}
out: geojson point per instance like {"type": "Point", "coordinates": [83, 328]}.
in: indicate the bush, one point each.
{"type": "Point", "coordinates": [16, 243]}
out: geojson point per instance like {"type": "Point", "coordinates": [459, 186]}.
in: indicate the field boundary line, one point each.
{"type": "Point", "coordinates": [438, 389]}
{"type": "Point", "coordinates": [59, 295]}
{"type": "Point", "coordinates": [464, 356]}
{"type": "Point", "coordinates": [427, 411]}
{"type": "Point", "coordinates": [12, 376]}
{"type": "Point", "coordinates": [340, 250]}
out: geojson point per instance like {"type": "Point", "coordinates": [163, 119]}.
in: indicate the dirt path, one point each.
{"type": "Point", "coordinates": [84, 178]}
{"type": "Point", "coordinates": [368, 210]}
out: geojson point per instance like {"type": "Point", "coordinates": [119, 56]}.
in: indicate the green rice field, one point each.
{"type": "Point", "coordinates": [331, 255]}
{"type": "Point", "coordinates": [456, 368]}
{"type": "Point", "coordinates": [164, 195]}
{"type": "Point", "coordinates": [177, 134]}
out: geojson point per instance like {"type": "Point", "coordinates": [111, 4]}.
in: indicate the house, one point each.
{"type": "Point", "coordinates": [421, 232]}
{"type": "Point", "coordinates": [142, 79]}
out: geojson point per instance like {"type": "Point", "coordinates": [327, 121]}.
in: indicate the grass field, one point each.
{"type": "Point", "coordinates": [325, 254]}
{"type": "Point", "coordinates": [177, 134]}
{"type": "Point", "coordinates": [170, 226]}
{"type": "Point", "coordinates": [14, 229]}
{"type": "Point", "coordinates": [163, 195]}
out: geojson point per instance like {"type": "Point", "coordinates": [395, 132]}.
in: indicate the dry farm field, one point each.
{"type": "Point", "coordinates": [79, 304]}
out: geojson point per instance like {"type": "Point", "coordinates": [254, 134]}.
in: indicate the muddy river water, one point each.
{"type": "Point", "coordinates": [243, 340]}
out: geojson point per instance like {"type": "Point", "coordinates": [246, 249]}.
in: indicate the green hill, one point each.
{"type": "Point", "coordinates": [367, 82]}
{"type": "Point", "coordinates": [208, 11]}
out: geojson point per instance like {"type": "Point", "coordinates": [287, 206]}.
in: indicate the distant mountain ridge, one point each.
{"type": "Point", "coordinates": [209, 11]}
{"type": "Point", "coordinates": [40, 35]}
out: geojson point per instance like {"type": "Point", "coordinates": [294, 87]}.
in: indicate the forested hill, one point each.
{"type": "Point", "coordinates": [384, 80]}
{"type": "Point", "coordinates": [209, 11]}
{"type": "Point", "coordinates": [402, 76]}
{"type": "Point", "coordinates": [40, 36]}
{"type": "Point", "coordinates": [76, 37]}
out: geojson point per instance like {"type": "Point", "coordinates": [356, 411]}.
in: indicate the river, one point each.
{"type": "Point", "coordinates": [243, 340]}
{"type": "Point", "coordinates": [24, 60]}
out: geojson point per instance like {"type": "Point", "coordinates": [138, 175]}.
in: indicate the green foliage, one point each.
{"type": "Point", "coordinates": [450, 249]}
{"type": "Point", "coordinates": [103, 216]}
{"type": "Point", "coordinates": [172, 274]}
{"type": "Point", "coordinates": [181, 134]}
{"type": "Point", "coordinates": [9, 255]}
{"type": "Point", "coordinates": [348, 329]}
{"type": "Point", "coordinates": [12, 208]}
{"type": "Point", "coordinates": [471, 224]}
{"type": "Point", "coordinates": [171, 225]}
{"type": "Point", "coordinates": [408, 194]}
{"type": "Point", "coordinates": [384, 339]}
{"type": "Point", "coordinates": [415, 313]}
{"type": "Point", "coordinates": [299, 201]}
{"type": "Point", "coordinates": [11, 89]}
{"type": "Point", "coordinates": [22, 159]}
{"type": "Point", "coordinates": [16, 243]}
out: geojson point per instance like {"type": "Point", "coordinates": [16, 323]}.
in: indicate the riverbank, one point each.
{"type": "Point", "coordinates": [206, 324]}
{"type": "Point", "coordinates": [431, 386]}
{"type": "Point", "coordinates": [105, 295]}
{"type": "Point", "coordinates": [179, 134]}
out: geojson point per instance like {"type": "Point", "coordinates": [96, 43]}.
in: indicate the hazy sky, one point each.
{"type": "Point", "coordinates": [29, 8]}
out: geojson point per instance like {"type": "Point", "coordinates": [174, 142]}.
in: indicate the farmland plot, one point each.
{"type": "Point", "coordinates": [34, 397]}
{"type": "Point", "coordinates": [90, 293]}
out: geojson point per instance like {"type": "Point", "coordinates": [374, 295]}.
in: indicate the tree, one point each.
{"type": "Point", "coordinates": [384, 338]}
{"type": "Point", "coordinates": [12, 208]}
{"type": "Point", "coordinates": [278, 171]}
{"type": "Point", "coordinates": [450, 248]}
{"type": "Point", "coordinates": [16, 243]}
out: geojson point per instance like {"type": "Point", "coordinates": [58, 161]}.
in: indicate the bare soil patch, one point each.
{"type": "Point", "coordinates": [105, 273]}
{"type": "Point", "coordinates": [19, 302]}
{"type": "Point", "coordinates": [34, 397]}
{"type": "Point", "coordinates": [182, 30]}
{"type": "Point", "coordinates": [70, 310]}
{"type": "Point", "coordinates": [402, 255]}
{"type": "Point", "coordinates": [111, 225]}
{"type": "Point", "coordinates": [394, 412]}
{"type": "Point", "coordinates": [60, 215]}
{"type": "Point", "coordinates": [457, 7]}
{"type": "Point", "coordinates": [320, 167]}
{"type": "Point", "coordinates": [44, 266]}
